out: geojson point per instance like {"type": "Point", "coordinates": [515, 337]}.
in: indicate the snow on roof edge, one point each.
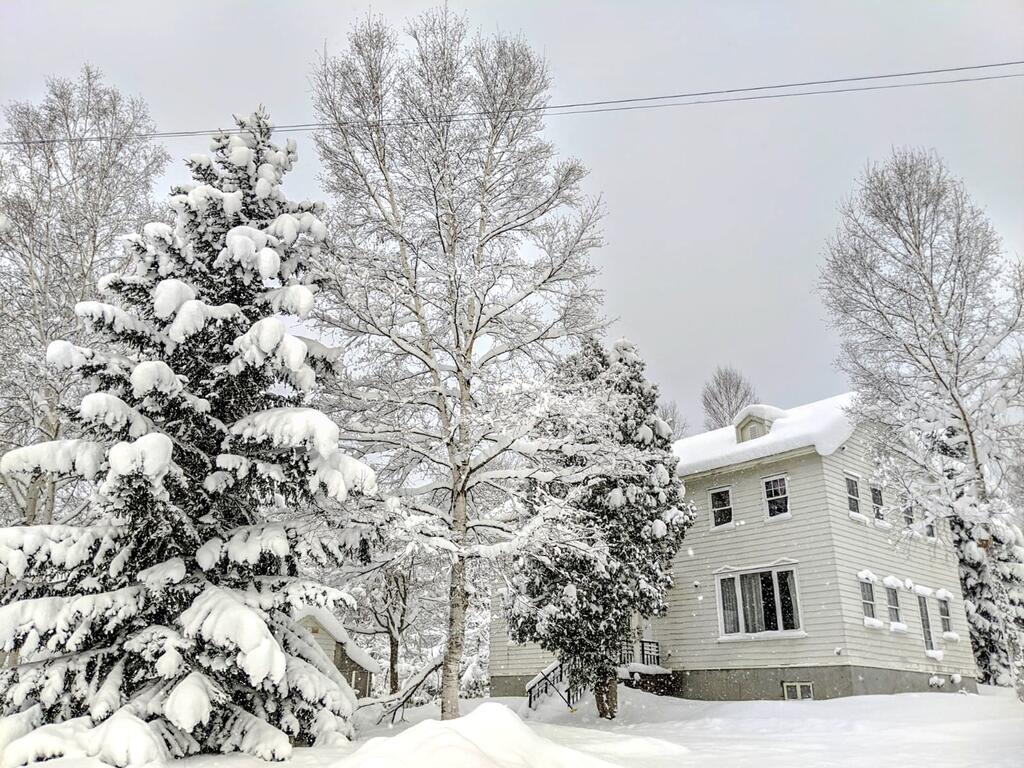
{"type": "Point", "coordinates": [822, 425]}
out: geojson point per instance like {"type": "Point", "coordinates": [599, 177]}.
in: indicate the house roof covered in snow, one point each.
{"type": "Point", "coordinates": [822, 425]}
{"type": "Point", "coordinates": [334, 628]}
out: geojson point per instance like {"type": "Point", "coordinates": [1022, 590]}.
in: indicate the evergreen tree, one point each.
{"type": "Point", "coordinates": [164, 626]}
{"type": "Point", "coordinates": [581, 603]}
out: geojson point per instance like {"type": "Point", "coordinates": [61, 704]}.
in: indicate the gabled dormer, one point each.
{"type": "Point", "coordinates": [755, 421]}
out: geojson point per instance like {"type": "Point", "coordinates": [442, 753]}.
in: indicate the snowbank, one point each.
{"type": "Point", "coordinates": [492, 736]}
{"type": "Point", "coordinates": [822, 425]}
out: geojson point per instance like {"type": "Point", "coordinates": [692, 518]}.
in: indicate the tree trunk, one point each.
{"type": "Point", "coordinates": [393, 686]}
{"type": "Point", "coordinates": [606, 696]}
{"type": "Point", "coordinates": [457, 599]}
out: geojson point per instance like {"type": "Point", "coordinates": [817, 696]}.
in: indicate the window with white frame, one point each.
{"type": "Point", "coordinates": [876, 502]}
{"type": "Point", "coordinates": [929, 527]}
{"type": "Point", "coordinates": [776, 495]}
{"type": "Point", "coordinates": [926, 623]}
{"type": "Point", "coordinates": [721, 506]}
{"type": "Point", "coordinates": [945, 617]}
{"type": "Point", "coordinates": [853, 494]}
{"type": "Point", "coordinates": [759, 601]}
{"type": "Point", "coordinates": [894, 604]}
{"type": "Point", "coordinates": [908, 516]}
{"type": "Point", "coordinates": [867, 598]}
{"type": "Point", "coordinates": [795, 691]}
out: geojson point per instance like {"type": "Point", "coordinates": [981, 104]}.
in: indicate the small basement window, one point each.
{"type": "Point", "coordinates": [796, 691]}
{"type": "Point", "coordinates": [721, 507]}
{"type": "Point", "coordinates": [867, 598]}
{"type": "Point", "coordinates": [853, 494]}
{"type": "Point", "coordinates": [776, 495]}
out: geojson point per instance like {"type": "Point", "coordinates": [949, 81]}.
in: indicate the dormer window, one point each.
{"type": "Point", "coordinates": [751, 428]}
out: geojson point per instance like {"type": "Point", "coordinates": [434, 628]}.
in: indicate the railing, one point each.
{"type": "Point", "coordinates": [548, 681]}
{"type": "Point", "coordinates": [650, 653]}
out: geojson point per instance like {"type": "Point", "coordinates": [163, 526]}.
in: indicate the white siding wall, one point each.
{"type": "Point", "coordinates": [891, 552]}
{"type": "Point", "coordinates": [507, 658]}
{"type": "Point", "coordinates": [689, 633]}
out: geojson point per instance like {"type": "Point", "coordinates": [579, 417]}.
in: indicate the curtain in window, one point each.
{"type": "Point", "coordinates": [753, 608]}
{"type": "Point", "coordinates": [730, 615]}
{"type": "Point", "coordinates": [787, 598]}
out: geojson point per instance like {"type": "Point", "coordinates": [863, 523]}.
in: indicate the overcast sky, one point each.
{"type": "Point", "coordinates": [717, 213]}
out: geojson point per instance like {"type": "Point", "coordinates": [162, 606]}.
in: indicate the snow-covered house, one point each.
{"type": "Point", "coordinates": [791, 583]}
{"type": "Point", "coordinates": [354, 663]}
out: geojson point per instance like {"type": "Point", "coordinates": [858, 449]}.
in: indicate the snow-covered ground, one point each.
{"type": "Point", "coordinates": [929, 730]}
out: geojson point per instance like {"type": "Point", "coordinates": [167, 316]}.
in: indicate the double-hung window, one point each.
{"type": "Point", "coordinates": [876, 502]}
{"type": "Point", "coordinates": [945, 617]}
{"type": "Point", "coordinates": [894, 604]}
{"type": "Point", "coordinates": [926, 623]}
{"type": "Point", "coordinates": [867, 598]}
{"type": "Point", "coordinates": [760, 601]}
{"type": "Point", "coordinates": [721, 507]}
{"type": "Point", "coordinates": [853, 494]}
{"type": "Point", "coordinates": [776, 495]}
{"type": "Point", "coordinates": [908, 516]}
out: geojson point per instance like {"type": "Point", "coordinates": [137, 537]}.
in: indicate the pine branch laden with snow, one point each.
{"type": "Point", "coordinates": [167, 620]}
{"type": "Point", "coordinates": [930, 310]}
{"type": "Point", "coordinates": [580, 602]}
{"type": "Point", "coordinates": [452, 304]}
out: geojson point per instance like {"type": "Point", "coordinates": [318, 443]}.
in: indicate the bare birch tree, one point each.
{"type": "Point", "coordinates": [930, 308]}
{"type": "Point", "coordinates": [461, 271]}
{"type": "Point", "coordinates": [725, 394]}
{"type": "Point", "coordinates": [74, 176]}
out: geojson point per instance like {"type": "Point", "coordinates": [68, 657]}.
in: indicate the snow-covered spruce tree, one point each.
{"type": "Point", "coordinates": [460, 275]}
{"type": "Point", "coordinates": [164, 626]}
{"type": "Point", "coordinates": [930, 313]}
{"type": "Point", "coordinates": [583, 603]}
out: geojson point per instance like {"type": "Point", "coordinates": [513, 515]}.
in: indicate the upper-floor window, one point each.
{"type": "Point", "coordinates": [754, 431]}
{"type": "Point", "coordinates": [760, 601]}
{"type": "Point", "coordinates": [721, 506]}
{"type": "Point", "coordinates": [867, 598]}
{"type": "Point", "coordinates": [944, 616]}
{"type": "Point", "coordinates": [876, 502]}
{"type": "Point", "coordinates": [776, 494]}
{"type": "Point", "coordinates": [929, 527]}
{"type": "Point", "coordinates": [908, 516]}
{"type": "Point", "coordinates": [926, 623]}
{"type": "Point", "coordinates": [853, 494]}
{"type": "Point", "coordinates": [894, 604]}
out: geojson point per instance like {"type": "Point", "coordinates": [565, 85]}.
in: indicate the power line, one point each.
{"type": "Point", "coordinates": [617, 105]}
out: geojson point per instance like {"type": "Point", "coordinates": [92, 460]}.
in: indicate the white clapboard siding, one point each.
{"type": "Point", "coordinates": [886, 552]}
{"type": "Point", "coordinates": [508, 658]}
{"type": "Point", "coordinates": [689, 633]}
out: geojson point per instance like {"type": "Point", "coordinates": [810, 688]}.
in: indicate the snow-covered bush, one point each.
{"type": "Point", "coordinates": [162, 626]}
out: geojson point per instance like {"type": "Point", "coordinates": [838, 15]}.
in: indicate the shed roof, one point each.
{"type": "Point", "coordinates": [335, 629]}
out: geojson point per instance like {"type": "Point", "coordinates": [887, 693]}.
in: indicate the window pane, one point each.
{"type": "Point", "coordinates": [867, 596]}
{"type": "Point", "coordinates": [720, 499]}
{"type": "Point", "coordinates": [771, 615]}
{"type": "Point", "coordinates": [851, 487]}
{"type": "Point", "coordinates": [876, 496]}
{"type": "Point", "coordinates": [730, 616]}
{"type": "Point", "coordinates": [894, 604]}
{"type": "Point", "coordinates": [722, 516]}
{"type": "Point", "coordinates": [753, 609]}
{"type": "Point", "coordinates": [787, 598]}
{"type": "Point", "coordinates": [854, 503]}
{"type": "Point", "coordinates": [778, 506]}
{"type": "Point", "coordinates": [805, 691]}
{"type": "Point", "coordinates": [926, 623]}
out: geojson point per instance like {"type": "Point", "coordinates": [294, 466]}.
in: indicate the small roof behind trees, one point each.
{"type": "Point", "coordinates": [335, 629]}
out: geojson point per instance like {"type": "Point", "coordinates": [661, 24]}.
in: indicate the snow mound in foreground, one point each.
{"type": "Point", "coordinates": [491, 736]}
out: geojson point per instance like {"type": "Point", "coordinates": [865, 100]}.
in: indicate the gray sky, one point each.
{"type": "Point", "coordinates": [717, 213]}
